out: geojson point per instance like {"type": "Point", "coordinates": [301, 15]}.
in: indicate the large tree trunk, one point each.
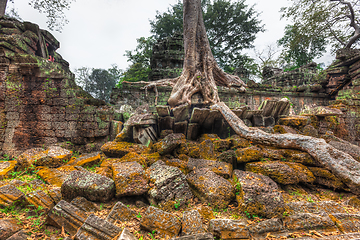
{"type": "Point", "coordinates": [2, 7]}
{"type": "Point", "coordinates": [339, 163]}
{"type": "Point", "coordinates": [201, 72]}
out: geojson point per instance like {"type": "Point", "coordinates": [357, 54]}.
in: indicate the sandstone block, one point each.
{"type": "Point", "coordinates": [221, 168]}
{"type": "Point", "coordinates": [192, 223]}
{"type": "Point", "coordinates": [55, 194]}
{"type": "Point", "coordinates": [29, 157]}
{"type": "Point", "coordinates": [126, 235]}
{"type": "Point", "coordinates": [166, 224]}
{"type": "Point", "coordinates": [163, 111]}
{"type": "Point", "coordinates": [51, 176]}
{"type": "Point", "coordinates": [308, 221]}
{"type": "Point", "coordinates": [6, 168]}
{"type": "Point", "coordinates": [166, 123]}
{"type": "Point", "coordinates": [193, 131]}
{"type": "Point", "coordinates": [261, 229]}
{"type": "Point", "coordinates": [258, 194]}
{"type": "Point", "coordinates": [200, 236]}
{"type": "Point", "coordinates": [169, 143]}
{"type": "Point", "coordinates": [326, 178]}
{"type": "Point", "coordinates": [20, 235]}
{"type": "Point", "coordinates": [96, 228]}
{"type": "Point", "coordinates": [54, 157]}
{"type": "Point", "coordinates": [121, 213]}
{"type": "Point", "coordinates": [86, 160]}
{"type": "Point", "coordinates": [92, 186]}
{"type": "Point", "coordinates": [130, 179]}
{"type": "Point", "coordinates": [84, 205]}
{"type": "Point", "coordinates": [8, 227]}
{"type": "Point", "coordinates": [210, 187]}
{"type": "Point", "coordinates": [347, 223]}
{"type": "Point", "coordinates": [249, 154]}
{"type": "Point", "coordinates": [120, 149]}
{"type": "Point", "coordinates": [207, 149]}
{"type": "Point", "coordinates": [10, 195]}
{"type": "Point", "coordinates": [229, 229]}
{"type": "Point", "coordinates": [66, 215]}
{"type": "Point", "coordinates": [40, 200]}
{"type": "Point", "coordinates": [228, 156]}
{"type": "Point", "coordinates": [181, 113]}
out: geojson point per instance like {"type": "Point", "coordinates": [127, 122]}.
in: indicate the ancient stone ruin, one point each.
{"type": "Point", "coordinates": [74, 167]}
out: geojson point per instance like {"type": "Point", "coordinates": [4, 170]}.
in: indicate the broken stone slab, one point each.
{"type": "Point", "coordinates": [86, 160]}
{"type": "Point", "coordinates": [181, 127]}
{"type": "Point", "coordinates": [6, 168]}
{"type": "Point", "coordinates": [169, 184]}
{"type": "Point", "coordinates": [66, 215]}
{"type": "Point", "coordinates": [347, 147]}
{"type": "Point", "coordinates": [130, 179]}
{"type": "Point", "coordinates": [95, 228]}
{"type": "Point", "coordinates": [169, 143]}
{"type": "Point", "coordinates": [8, 227]}
{"type": "Point", "coordinates": [193, 130]}
{"type": "Point", "coordinates": [92, 186]}
{"type": "Point", "coordinates": [181, 113]}
{"type": "Point", "coordinates": [322, 111]}
{"type": "Point", "coordinates": [207, 149]}
{"type": "Point", "coordinates": [51, 176]}
{"type": "Point", "coordinates": [282, 108]}
{"type": "Point", "coordinates": [228, 156]}
{"type": "Point", "coordinates": [239, 110]}
{"type": "Point", "coordinates": [296, 122]}
{"type": "Point", "coordinates": [199, 115]}
{"type": "Point", "coordinates": [309, 221]}
{"type": "Point", "coordinates": [192, 223]}
{"type": "Point", "coordinates": [261, 230]}
{"type": "Point", "coordinates": [54, 156]}
{"type": "Point", "coordinates": [144, 136]}
{"type": "Point", "coordinates": [249, 154]}
{"type": "Point", "coordinates": [10, 195]}
{"type": "Point", "coordinates": [163, 110]}
{"type": "Point", "coordinates": [84, 205]}
{"type": "Point", "coordinates": [40, 200]}
{"type": "Point", "coordinates": [282, 172]}
{"type": "Point", "coordinates": [27, 158]}
{"type": "Point", "coordinates": [210, 188]}
{"type": "Point", "coordinates": [212, 116]}
{"type": "Point", "coordinates": [166, 123]}
{"type": "Point", "coordinates": [221, 168]}
{"type": "Point", "coordinates": [326, 178]}
{"type": "Point", "coordinates": [120, 212]}
{"type": "Point", "coordinates": [164, 223]}
{"type": "Point", "coordinates": [305, 207]}
{"type": "Point", "coordinates": [248, 114]}
{"type": "Point", "coordinates": [120, 149]}
{"type": "Point", "coordinates": [20, 235]}
{"type": "Point", "coordinates": [229, 229]}
{"type": "Point", "coordinates": [258, 194]}
{"type": "Point", "coordinates": [267, 107]}
{"type": "Point", "coordinates": [126, 235]}
{"type": "Point", "coordinates": [55, 194]}
{"type": "Point", "coordinates": [347, 223]}
{"type": "Point", "coordinates": [200, 236]}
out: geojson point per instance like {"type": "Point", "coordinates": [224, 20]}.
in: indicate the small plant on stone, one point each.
{"type": "Point", "coordinates": [152, 234]}
{"type": "Point", "coordinates": [177, 203]}
{"type": "Point", "coordinates": [309, 199]}
{"type": "Point", "coordinates": [138, 215]}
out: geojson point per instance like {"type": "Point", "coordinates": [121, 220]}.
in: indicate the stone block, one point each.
{"type": "Point", "coordinates": [346, 222]}
{"type": "Point", "coordinates": [126, 235]}
{"type": "Point", "coordinates": [309, 221]}
{"type": "Point", "coordinates": [164, 223]}
{"type": "Point", "coordinates": [193, 131]}
{"type": "Point", "coordinates": [6, 168]}
{"type": "Point", "coordinates": [120, 212]}
{"type": "Point", "coordinates": [20, 235]}
{"type": "Point", "coordinates": [221, 168]}
{"type": "Point", "coordinates": [120, 149]}
{"type": "Point", "coordinates": [53, 157]}
{"type": "Point", "coordinates": [93, 187]}
{"type": "Point", "coordinates": [199, 115]}
{"type": "Point", "coordinates": [55, 194]}
{"type": "Point", "coordinates": [181, 113]}
{"type": "Point", "coordinates": [86, 160]}
{"type": "Point", "coordinates": [66, 215]}
{"type": "Point", "coordinates": [258, 121]}
{"type": "Point", "coordinates": [51, 176]}
{"type": "Point", "coordinates": [181, 127]}
{"type": "Point", "coordinates": [10, 195]}
{"type": "Point", "coordinates": [200, 236]}
{"type": "Point", "coordinates": [163, 111]}
{"type": "Point", "coordinates": [169, 143]}
{"type": "Point", "coordinates": [144, 136]}
{"type": "Point", "coordinates": [40, 200]}
{"type": "Point", "coordinates": [84, 205]}
{"type": "Point", "coordinates": [261, 230]}
{"type": "Point", "coordinates": [229, 229]}
{"type": "Point", "coordinates": [212, 116]}
{"type": "Point", "coordinates": [192, 223]}
{"type": "Point", "coordinates": [130, 179]}
{"type": "Point", "coordinates": [96, 228]}
{"type": "Point", "coordinates": [166, 123]}
{"type": "Point", "coordinates": [8, 227]}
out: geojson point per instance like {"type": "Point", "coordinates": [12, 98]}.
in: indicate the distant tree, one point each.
{"type": "Point", "coordinates": [231, 27]}
{"type": "Point", "coordinates": [299, 48]}
{"type": "Point", "coordinates": [336, 20]}
{"type": "Point", "coordinates": [139, 69]}
{"type": "Point", "coordinates": [98, 82]}
{"type": "Point", "coordinates": [266, 57]}
{"type": "Point", "coordinates": [54, 10]}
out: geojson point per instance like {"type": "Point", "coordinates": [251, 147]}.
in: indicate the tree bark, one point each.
{"type": "Point", "coordinates": [2, 7]}
{"type": "Point", "coordinates": [339, 163]}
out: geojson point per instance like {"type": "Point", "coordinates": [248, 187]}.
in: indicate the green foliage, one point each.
{"type": "Point", "coordinates": [328, 19]}
{"type": "Point", "coordinates": [98, 82]}
{"type": "Point", "coordinates": [300, 48]}
{"type": "Point", "coordinates": [231, 27]}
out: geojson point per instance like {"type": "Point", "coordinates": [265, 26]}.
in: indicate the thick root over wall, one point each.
{"type": "Point", "coordinates": [339, 163]}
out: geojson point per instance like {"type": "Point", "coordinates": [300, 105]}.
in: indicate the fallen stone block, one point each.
{"type": "Point", "coordinates": [164, 223]}
{"type": "Point", "coordinates": [86, 160]}
{"type": "Point", "coordinates": [54, 157]}
{"type": "Point", "coordinates": [130, 179]}
{"type": "Point", "coordinates": [92, 186]}
{"type": "Point", "coordinates": [229, 229]}
{"type": "Point", "coordinates": [51, 176]}
{"type": "Point", "coordinates": [200, 236]}
{"type": "Point", "coordinates": [261, 230]}
{"type": "Point", "coordinates": [309, 221]}
{"type": "Point", "coordinates": [221, 168]}
{"type": "Point", "coordinates": [326, 178]}
{"type": "Point", "coordinates": [249, 154]}
{"type": "Point", "coordinates": [20, 235]}
{"type": "Point", "coordinates": [8, 227]}
{"type": "Point", "coordinates": [40, 200]}
{"type": "Point", "coordinates": [192, 223]}
{"type": "Point", "coordinates": [95, 228]}
{"type": "Point", "coordinates": [210, 188]}
{"type": "Point", "coordinates": [144, 136]}
{"type": "Point", "coordinates": [10, 195]}
{"type": "Point", "coordinates": [181, 113]}
{"type": "Point", "coordinates": [120, 149]}
{"type": "Point", "coordinates": [120, 212]}
{"type": "Point", "coordinates": [126, 235]}
{"type": "Point", "coordinates": [163, 110]}
{"type": "Point", "coordinates": [169, 143]}
{"type": "Point", "coordinates": [228, 156]}
{"type": "Point", "coordinates": [84, 205]}
{"type": "Point", "coordinates": [66, 215]}
{"type": "Point", "coordinates": [169, 184]}
{"type": "Point", "coordinates": [346, 223]}
{"type": "Point", "coordinates": [28, 158]}
{"type": "Point", "coordinates": [6, 168]}
{"type": "Point", "coordinates": [258, 194]}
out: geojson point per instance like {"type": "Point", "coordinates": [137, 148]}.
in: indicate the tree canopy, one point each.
{"type": "Point", "coordinates": [335, 20]}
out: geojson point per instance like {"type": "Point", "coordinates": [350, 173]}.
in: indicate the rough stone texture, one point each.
{"type": "Point", "coordinates": [8, 227]}
{"type": "Point", "coordinates": [326, 178]}
{"type": "Point", "coordinates": [93, 187]}
{"type": "Point", "coordinates": [126, 235]}
{"type": "Point", "coordinates": [169, 143]}
{"type": "Point", "coordinates": [53, 157]}
{"type": "Point", "coordinates": [86, 160]}
{"type": "Point", "coordinates": [84, 205]}
{"type": "Point", "coordinates": [347, 222]}
{"type": "Point", "coordinates": [119, 149]}
{"type": "Point", "coordinates": [169, 184]}
{"type": "Point", "coordinates": [228, 157]}
{"type": "Point", "coordinates": [261, 229]}
{"type": "Point", "coordinates": [10, 195]}
{"type": "Point", "coordinates": [20, 235]}
{"type": "Point", "coordinates": [249, 154]}
{"type": "Point", "coordinates": [210, 188]}
{"type": "Point", "coordinates": [220, 168]}
{"type": "Point", "coordinates": [304, 221]}
{"type": "Point", "coordinates": [164, 223]}
{"type": "Point", "coordinates": [40, 199]}
{"type": "Point", "coordinates": [229, 229]}
{"type": "Point", "coordinates": [347, 147]}
{"type": "Point", "coordinates": [55, 194]}
{"type": "Point", "coordinates": [6, 168]}
{"type": "Point", "coordinates": [120, 212]}
{"type": "Point", "coordinates": [96, 228]}
{"type": "Point", "coordinates": [258, 194]}
{"type": "Point", "coordinates": [66, 215]}
{"type": "Point", "coordinates": [192, 223]}
{"type": "Point", "coordinates": [282, 172]}
{"type": "Point", "coordinates": [51, 176]}
{"type": "Point", "coordinates": [130, 179]}
{"type": "Point", "coordinates": [27, 158]}
{"type": "Point", "coordinates": [200, 236]}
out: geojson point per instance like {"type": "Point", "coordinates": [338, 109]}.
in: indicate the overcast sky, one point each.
{"type": "Point", "coordinates": [99, 32]}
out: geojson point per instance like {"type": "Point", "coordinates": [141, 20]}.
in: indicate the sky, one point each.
{"type": "Point", "coordinates": [99, 32]}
